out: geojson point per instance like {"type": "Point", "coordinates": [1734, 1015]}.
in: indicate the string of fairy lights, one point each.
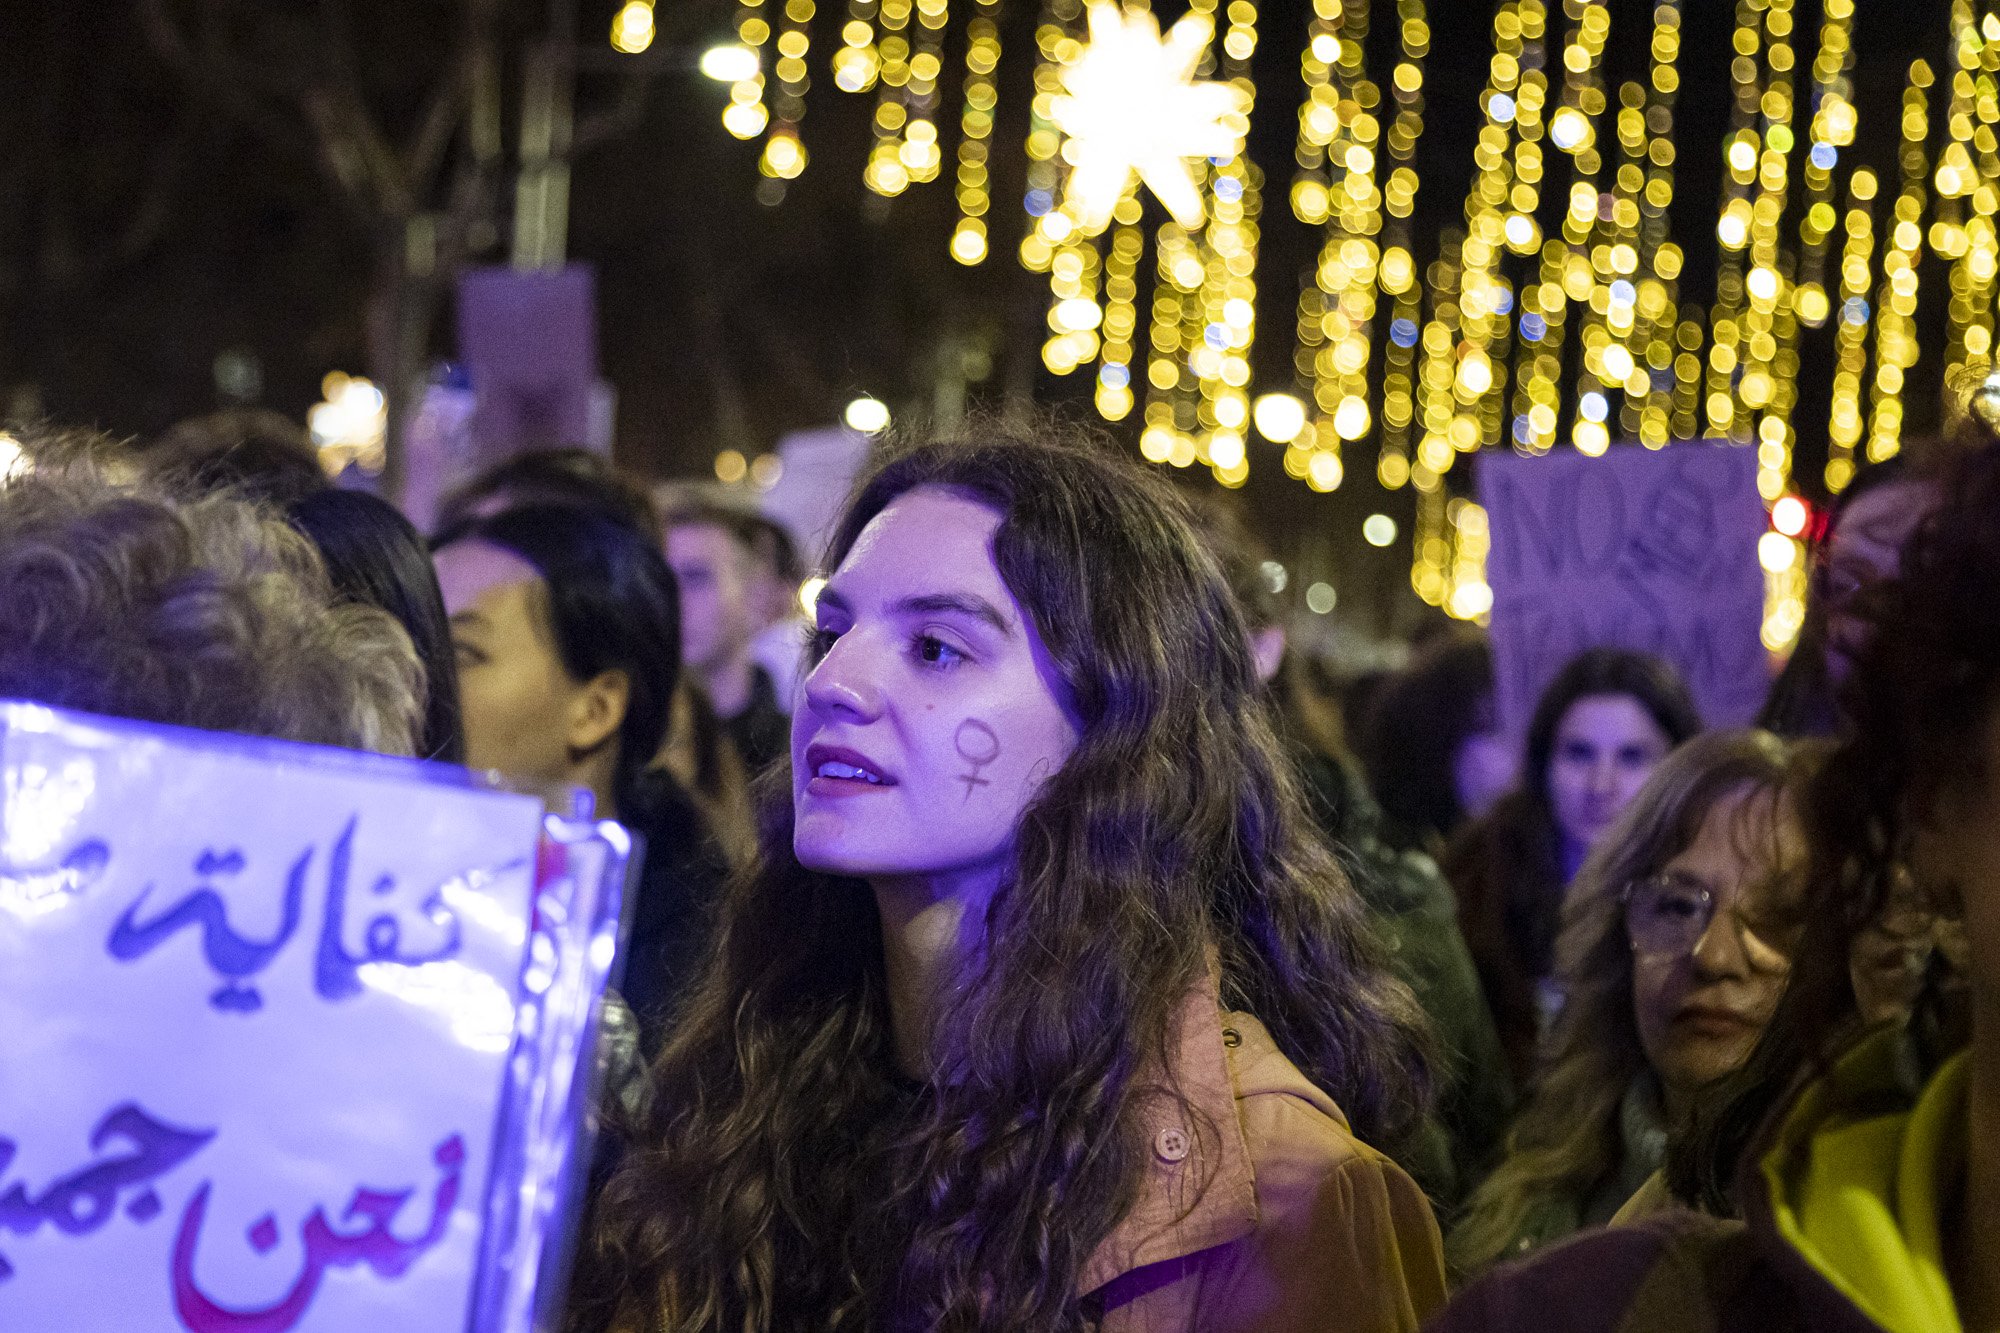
{"type": "Point", "coordinates": [1549, 315]}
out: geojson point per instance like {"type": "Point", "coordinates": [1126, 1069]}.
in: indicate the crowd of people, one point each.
{"type": "Point", "coordinates": [1030, 937]}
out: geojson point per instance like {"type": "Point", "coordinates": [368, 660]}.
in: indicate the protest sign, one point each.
{"type": "Point", "coordinates": [1648, 549]}
{"type": "Point", "coordinates": [290, 1038]}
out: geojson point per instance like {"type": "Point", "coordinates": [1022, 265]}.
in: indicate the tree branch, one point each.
{"type": "Point", "coordinates": [223, 84]}
{"type": "Point", "coordinates": [344, 113]}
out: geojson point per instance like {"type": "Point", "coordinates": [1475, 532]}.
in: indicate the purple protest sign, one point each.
{"type": "Point", "coordinates": [1648, 549]}
{"type": "Point", "coordinates": [530, 341]}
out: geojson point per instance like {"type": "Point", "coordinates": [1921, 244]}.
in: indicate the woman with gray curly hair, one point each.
{"type": "Point", "coordinates": [203, 612]}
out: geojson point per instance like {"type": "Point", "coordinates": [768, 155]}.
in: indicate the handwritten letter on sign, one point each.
{"type": "Point", "coordinates": [1653, 550]}
{"type": "Point", "coordinates": [257, 1005]}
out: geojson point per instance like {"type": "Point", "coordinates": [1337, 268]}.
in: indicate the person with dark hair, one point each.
{"type": "Point", "coordinates": [578, 478]}
{"type": "Point", "coordinates": [1432, 743]}
{"type": "Point", "coordinates": [1601, 726]}
{"type": "Point", "coordinates": [1045, 1007]}
{"type": "Point", "coordinates": [376, 558]}
{"type": "Point", "coordinates": [568, 644]}
{"type": "Point", "coordinates": [251, 452]}
{"type": "Point", "coordinates": [722, 556]}
{"type": "Point", "coordinates": [1866, 527]}
{"type": "Point", "coordinates": [1409, 903]}
{"type": "Point", "coordinates": [1864, 1164]}
{"type": "Point", "coordinates": [1674, 949]}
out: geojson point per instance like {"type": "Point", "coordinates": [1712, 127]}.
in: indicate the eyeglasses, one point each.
{"type": "Point", "coordinates": [1667, 914]}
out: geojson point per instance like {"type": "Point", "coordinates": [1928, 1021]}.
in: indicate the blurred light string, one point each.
{"type": "Point", "coordinates": [746, 115]}
{"type": "Point", "coordinates": [1896, 299]}
{"type": "Point", "coordinates": [858, 62]}
{"type": "Point", "coordinates": [1964, 183]}
{"type": "Point", "coordinates": [784, 155]}
{"type": "Point", "coordinates": [973, 189]}
{"type": "Point", "coordinates": [1397, 272]}
{"type": "Point", "coordinates": [1844, 420]}
{"type": "Point", "coordinates": [1228, 247]}
{"type": "Point", "coordinates": [1338, 153]}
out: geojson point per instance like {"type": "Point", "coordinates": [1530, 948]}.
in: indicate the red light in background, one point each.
{"type": "Point", "coordinates": [1791, 516]}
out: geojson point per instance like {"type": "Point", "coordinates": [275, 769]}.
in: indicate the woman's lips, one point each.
{"type": "Point", "coordinates": [825, 786]}
{"type": "Point", "coordinates": [1713, 1023]}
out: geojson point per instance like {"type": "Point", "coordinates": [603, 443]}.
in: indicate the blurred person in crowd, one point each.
{"type": "Point", "coordinates": [1866, 526]}
{"type": "Point", "coordinates": [1861, 1166]}
{"type": "Point", "coordinates": [1409, 903]}
{"type": "Point", "coordinates": [780, 646]}
{"type": "Point", "coordinates": [1601, 727]}
{"type": "Point", "coordinates": [703, 760]}
{"type": "Point", "coordinates": [199, 612]}
{"type": "Point", "coordinates": [1674, 950]}
{"type": "Point", "coordinates": [724, 558]}
{"type": "Point", "coordinates": [251, 451]}
{"type": "Point", "coordinates": [376, 557]}
{"type": "Point", "coordinates": [578, 478]}
{"type": "Point", "coordinates": [1432, 743]}
{"type": "Point", "coordinates": [697, 752]}
{"type": "Point", "coordinates": [568, 644]}
{"type": "Point", "coordinates": [1045, 1008]}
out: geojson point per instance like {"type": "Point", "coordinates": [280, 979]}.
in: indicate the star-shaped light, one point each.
{"type": "Point", "coordinates": [1131, 108]}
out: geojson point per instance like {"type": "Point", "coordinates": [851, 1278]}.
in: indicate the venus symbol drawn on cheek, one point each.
{"type": "Point", "coordinates": [976, 745]}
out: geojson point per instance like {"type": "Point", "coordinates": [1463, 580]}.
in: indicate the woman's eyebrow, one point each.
{"type": "Point", "coordinates": [966, 604]}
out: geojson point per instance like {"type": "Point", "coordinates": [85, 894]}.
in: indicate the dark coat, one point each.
{"type": "Point", "coordinates": [1413, 913]}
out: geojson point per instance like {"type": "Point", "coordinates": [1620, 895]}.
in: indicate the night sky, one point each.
{"type": "Point", "coordinates": [144, 231]}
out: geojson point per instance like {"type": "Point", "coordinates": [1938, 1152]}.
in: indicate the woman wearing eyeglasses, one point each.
{"type": "Point", "coordinates": [1673, 952]}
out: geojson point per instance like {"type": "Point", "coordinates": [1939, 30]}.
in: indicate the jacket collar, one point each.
{"type": "Point", "coordinates": [1198, 1190]}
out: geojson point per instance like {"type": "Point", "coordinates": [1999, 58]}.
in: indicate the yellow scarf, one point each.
{"type": "Point", "coordinates": [1865, 1209]}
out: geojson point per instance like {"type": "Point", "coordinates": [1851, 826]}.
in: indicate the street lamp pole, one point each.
{"type": "Point", "coordinates": [548, 114]}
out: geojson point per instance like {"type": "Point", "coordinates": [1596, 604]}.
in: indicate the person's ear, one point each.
{"type": "Point", "coordinates": [1267, 651]}
{"type": "Point", "coordinates": [597, 711]}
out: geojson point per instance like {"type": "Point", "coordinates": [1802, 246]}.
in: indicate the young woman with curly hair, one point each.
{"type": "Point", "coordinates": [1043, 1007]}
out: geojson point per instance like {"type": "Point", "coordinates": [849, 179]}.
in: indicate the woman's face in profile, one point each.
{"type": "Point", "coordinates": [1863, 550]}
{"type": "Point", "coordinates": [515, 695]}
{"type": "Point", "coordinates": [932, 714]}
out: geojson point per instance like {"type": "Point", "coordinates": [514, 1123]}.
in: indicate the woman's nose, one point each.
{"type": "Point", "coordinates": [1719, 950]}
{"type": "Point", "coordinates": [844, 684]}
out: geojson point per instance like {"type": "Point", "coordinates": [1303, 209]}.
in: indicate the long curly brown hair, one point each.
{"type": "Point", "coordinates": [784, 1179]}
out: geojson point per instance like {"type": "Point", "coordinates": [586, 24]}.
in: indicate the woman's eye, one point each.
{"type": "Point", "coordinates": [818, 642]}
{"type": "Point", "coordinates": [933, 651]}
{"type": "Point", "coordinates": [467, 655]}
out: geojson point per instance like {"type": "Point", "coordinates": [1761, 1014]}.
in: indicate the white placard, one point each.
{"type": "Point", "coordinates": [257, 1004]}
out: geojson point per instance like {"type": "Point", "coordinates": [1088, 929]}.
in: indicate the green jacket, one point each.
{"type": "Point", "coordinates": [1416, 917]}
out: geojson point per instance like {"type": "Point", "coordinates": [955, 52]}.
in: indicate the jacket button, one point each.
{"type": "Point", "coordinates": [1171, 1145]}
